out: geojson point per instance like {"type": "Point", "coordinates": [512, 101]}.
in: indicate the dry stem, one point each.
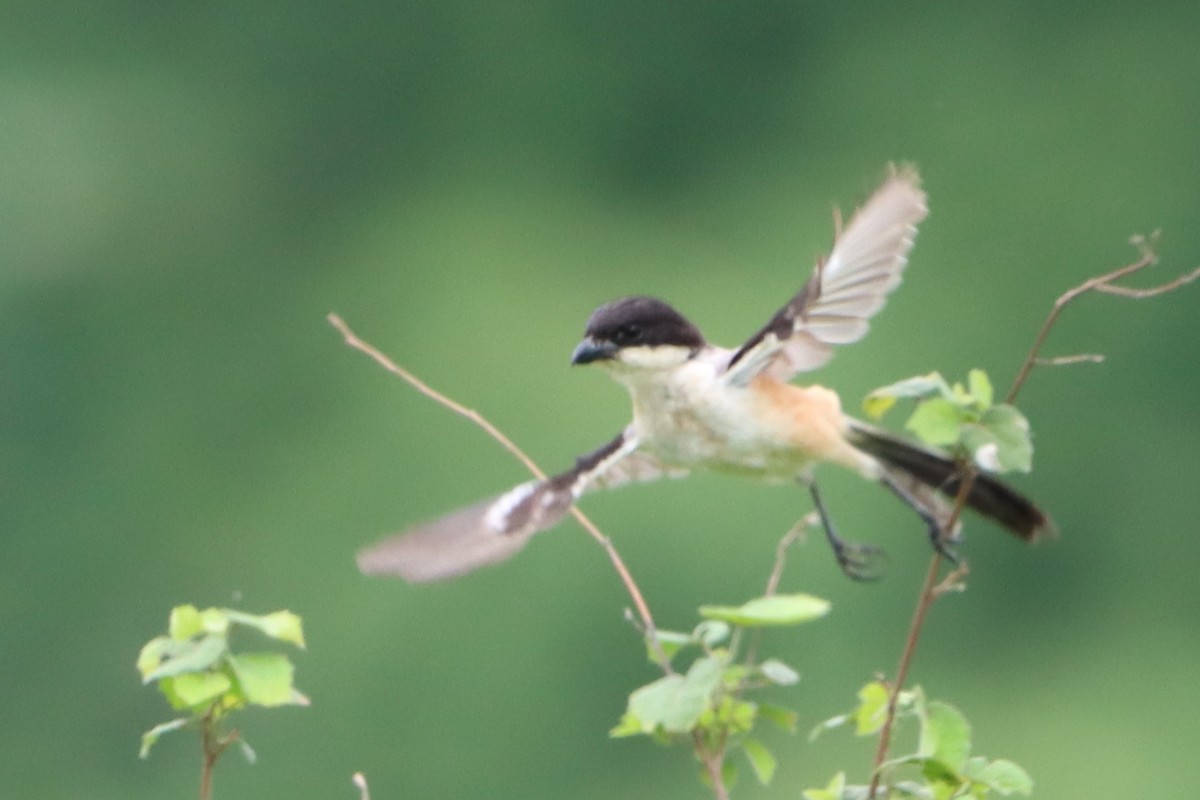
{"type": "Point", "coordinates": [1105, 284]}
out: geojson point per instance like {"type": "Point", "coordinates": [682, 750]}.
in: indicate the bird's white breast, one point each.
{"type": "Point", "coordinates": [689, 416]}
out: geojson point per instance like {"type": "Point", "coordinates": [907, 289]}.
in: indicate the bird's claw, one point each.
{"type": "Point", "coordinates": [860, 562]}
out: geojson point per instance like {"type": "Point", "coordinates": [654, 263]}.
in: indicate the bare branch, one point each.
{"type": "Point", "coordinates": [412, 380]}
{"type": "Point", "coordinates": [491, 430]}
{"type": "Point", "coordinates": [1153, 291]}
{"type": "Point", "coordinates": [1106, 284]}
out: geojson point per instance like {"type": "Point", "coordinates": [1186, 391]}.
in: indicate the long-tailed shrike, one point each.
{"type": "Point", "coordinates": [700, 406]}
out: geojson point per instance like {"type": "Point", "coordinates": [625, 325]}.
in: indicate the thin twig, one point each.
{"type": "Point", "coordinates": [1100, 283]}
{"type": "Point", "coordinates": [412, 380]}
{"type": "Point", "coordinates": [491, 430]}
{"type": "Point", "coordinates": [955, 580]}
{"type": "Point", "coordinates": [1153, 291]}
{"type": "Point", "coordinates": [785, 542]}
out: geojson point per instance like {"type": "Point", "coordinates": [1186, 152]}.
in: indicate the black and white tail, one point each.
{"type": "Point", "coordinates": [989, 496]}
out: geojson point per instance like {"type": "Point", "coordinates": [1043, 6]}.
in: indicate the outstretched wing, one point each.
{"type": "Point", "coordinates": [845, 290]}
{"type": "Point", "coordinates": [496, 529]}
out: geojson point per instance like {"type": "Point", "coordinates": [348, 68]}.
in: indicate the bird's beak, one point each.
{"type": "Point", "coordinates": [590, 350]}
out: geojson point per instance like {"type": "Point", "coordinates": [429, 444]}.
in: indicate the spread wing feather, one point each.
{"type": "Point", "coordinates": [498, 528]}
{"type": "Point", "coordinates": [845, 290]}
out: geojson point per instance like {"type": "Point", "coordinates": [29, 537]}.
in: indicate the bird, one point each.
{"type": "Point", "coordinates": [700, 406]}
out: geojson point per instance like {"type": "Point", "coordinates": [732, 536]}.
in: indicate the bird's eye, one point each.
{"type": "Point", "coordinates": [626, 334]}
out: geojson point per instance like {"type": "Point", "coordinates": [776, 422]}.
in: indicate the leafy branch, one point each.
{"type": "Point", "coordinates": [708, 704]}
{"type": "Point", "coordinates": [942, 756]}
{"type": "Point", "coordinates": [197, 671]}
{"type": "Point", "coordinates": [931, 588]}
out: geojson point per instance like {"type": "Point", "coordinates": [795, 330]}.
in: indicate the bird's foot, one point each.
{"type": "Point", "coordinates": [860, 562]}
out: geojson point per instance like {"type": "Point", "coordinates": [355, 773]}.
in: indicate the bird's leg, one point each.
{"type": "Point", "coordinates": [856, 560]}
{"type": "Point", "coordinates": [927, 507]}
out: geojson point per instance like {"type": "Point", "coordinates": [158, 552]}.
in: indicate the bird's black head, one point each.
{"type": "Point", "coordinates": [635, 322]}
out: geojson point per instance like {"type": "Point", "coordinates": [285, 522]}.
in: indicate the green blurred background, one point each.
{"type": "Point", "coordinates": [187, 189]}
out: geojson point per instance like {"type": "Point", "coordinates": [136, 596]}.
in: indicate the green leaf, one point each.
{"type": "Point", "coordinates": [153, 653]}
{"type": "Point", "coordinates": [936, 421]}
{"type": "Point", "coordinates": [671, 643]}
{"type": "Point", "coordinates": [761, 760]}
{"type": "Point", "coordinates": [215, 621]}
{"type": "Point", "coordinates": [151, 736]}
{"type": "Point", "coordinates": [197, 689]}
{"type": "Point", "coordinates": [980, 388]}
{"type": "Point", "coordinates": [676, 702]}
{"type": "Point", "coordinates": [629, 725]}
{"type": "Point", "coordinates": [876, 405]}
{"type": "Point", "coordinates": [673, 703]}
{"type": "Point", "coordinates": [184, 623]}
{"type": "Point", "coordinates": [1004, 777]}
{"type": "Point", "coordinates": [872, 709]}
{"type": "Point", "coordinates": [1000, 441]}
{"type": "Point", "coordinates": [167, 687]}
{"type": "Point", "coordinates": [711, 632]}
{"type": "Point", "coordinates": [783, 718]}
{"type": "Point", "coordinates": [828, 725]}
{"type": "Point", "coordinates": [779, 609]}
{"type": "Point", "coordinates": [834, 790]}
{"type": "Point", "coordinates": [945, 736]}
{"type": "Point", "coordinates": [943, 781]}
{"type": "Point", "coordinates": [973, 765]}
{"type": "Point", "coordinates": [282, 625]}
{"type": "Point", "coordinates": [778, 672]}
{"type": "Point", "coordinates": [878, 402]}
{"type": "Point", "coordinates": [742, 715]}
{"type": "Point", "coordinates": [734, 674]}
{"type": "Point", "coordinates": [176, 658]}
{"type": "Point", "coordinates": [264, 678]}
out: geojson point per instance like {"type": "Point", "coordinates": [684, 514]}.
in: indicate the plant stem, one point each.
{"type": "Point", "coordinates": [206, 771]}
{"type": "Point", "coordinates": [211, 752]}
{"type": "Point", "coordinates": [713, 760]}
{"type": "Point", "coordinates": [924, 601]}
{"type": "Point", "coordinates": [929, 593]}
{"type": "Point", "coordinates": [714, 774]}
{"type": "Point", "coordinates": [212, 745]}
